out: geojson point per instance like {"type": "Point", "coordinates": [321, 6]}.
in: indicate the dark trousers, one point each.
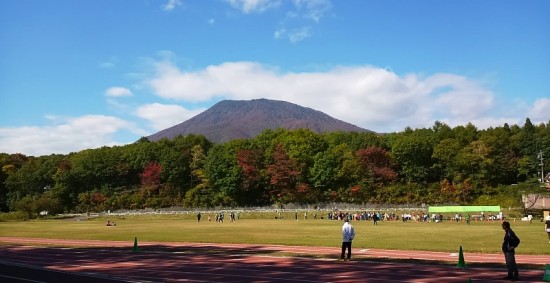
{"type": "Point", "coordinates": [346, 245]}
{"type": "Point", "coordinates": [511, 264]}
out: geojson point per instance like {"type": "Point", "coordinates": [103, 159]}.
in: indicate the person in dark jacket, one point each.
{"type": "Point", "coordinates": [509, 245]}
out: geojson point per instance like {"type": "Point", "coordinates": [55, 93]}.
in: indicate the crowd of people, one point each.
{"type": "Point", "coordinates": [220, 216]}
{"type": "Point", "coordinates": [378, 216]}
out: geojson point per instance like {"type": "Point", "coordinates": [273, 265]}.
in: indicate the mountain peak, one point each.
{"type": "Point", "coordinates": [241, 119]}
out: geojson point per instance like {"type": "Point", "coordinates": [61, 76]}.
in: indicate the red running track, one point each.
{"type": "Point", "coordinates": [194, 262]}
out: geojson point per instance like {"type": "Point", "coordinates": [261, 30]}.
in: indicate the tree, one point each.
{"type": "Point", "coordinates": [283, 174]}
{"type": "Point", "coordinates": [466, 134]}
{"type": "Point", "coordinates": [198, 195]}
{"type": "Point", "coordinates": [442, 131]}
{"type": "Point", "coordinates": [503, 166]}
{"type": "Point", "coordinates": [474, 163]}
{"type": "Point", "coordinates": [30, 178]}
{"type": "Point", "coordinates": [223, 172]}
{"type": "Point", "coordinates": [413, 155]}
{"type": "Point", "coordinates": [445, 161]}
{"type": "Point", "coordinates": [7, 168]}
{"type": "Point", "coordinates": [150, 177]}
{"type": "Point", "coordinates": [376, 164]}
{"type": "Point", "coordinates": [253, 184]}
{"type": "Point", "coordinates": [197, 163]}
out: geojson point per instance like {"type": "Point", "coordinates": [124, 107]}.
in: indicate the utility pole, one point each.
{"type": "Point", "coordinates": [541, 158]}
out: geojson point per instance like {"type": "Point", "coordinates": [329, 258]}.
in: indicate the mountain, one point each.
{"type": "Point", "coordinates": [235, 119]}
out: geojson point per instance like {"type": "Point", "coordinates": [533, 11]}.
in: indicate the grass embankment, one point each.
{"type": "Point", "coordinates": [482, 237]}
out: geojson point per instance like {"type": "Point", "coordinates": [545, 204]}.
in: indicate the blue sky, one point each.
{"type": "Point", "coordinates": [91, 73]}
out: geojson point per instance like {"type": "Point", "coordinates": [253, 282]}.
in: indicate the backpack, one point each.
{"type": "Point", "coordinates": [514, 240]}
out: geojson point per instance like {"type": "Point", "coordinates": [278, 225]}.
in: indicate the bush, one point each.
{"type": "Point", "coordinates": [14, 216]}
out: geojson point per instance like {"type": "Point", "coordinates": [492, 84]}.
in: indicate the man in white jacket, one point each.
{"type": "Point", "coordinates": [348, 233]}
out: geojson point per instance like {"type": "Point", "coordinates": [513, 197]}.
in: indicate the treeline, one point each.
{"type": "Point", "coordinates": [439, 165]}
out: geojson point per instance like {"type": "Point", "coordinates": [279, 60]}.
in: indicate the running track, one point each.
{"type": "Point", "coordinates": [54, 260]}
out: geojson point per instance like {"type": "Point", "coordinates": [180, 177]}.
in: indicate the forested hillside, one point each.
{"type": "Point", "coordinates": [438, 165]}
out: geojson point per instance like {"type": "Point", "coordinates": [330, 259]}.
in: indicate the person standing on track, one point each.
{"type": "Point", "coordinates": [509, 245]}
{"type": "Point", "coordinates": [348, 233]}
{"type": "Point", "coordinates": [547, 227]}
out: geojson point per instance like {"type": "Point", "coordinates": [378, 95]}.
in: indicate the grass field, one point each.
{"type": "Point", "coordinates": [482, 237]}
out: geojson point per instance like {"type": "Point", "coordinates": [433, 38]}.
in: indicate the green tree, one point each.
{"type": "Point", "coordinates": [334, 172]}
{"type": "Point", "coordinates": [223, 173]}
{"type": "Point", "coordinates": [413, 155]}
{"type": "Point", "coordinates": [31, 178]}
{"type": "Point", "coordinates": [445, 158]}
{"type": "Point", "coordinates": [198, 195]}
{"type": "Point", "coordinates": [503, 165]}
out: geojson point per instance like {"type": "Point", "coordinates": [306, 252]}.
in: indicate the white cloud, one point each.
{"type": "Point", "coordinates": [109, 63]}
{"type": "Point", "coordinates": [313, 9]}
{"type": "Point", "coordinates": [171, 5]}
{"type": "Point", "coordinates": [162, 116]}
{"type": "Point", "coordinates": [540, 110]}
{"type": "Point", "coordinates": [279, 33]}
{"type": "Point", "coordinates": [370, 97]}
{"type": "Point", "coordinates": [69, 135]}
{"type": "Point", "coordinates": [300, 34]}
{"type": "Point", "coordinates": [296, 25]}
{"type": "Point", "coordinates": [254, 6]}
{"type": "Point", "coordinates": [118, 92]}
{"type": "Point", "coordinates": [294, 36]}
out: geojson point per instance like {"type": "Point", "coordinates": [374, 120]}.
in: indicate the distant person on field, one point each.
{"type": "Point", "coordinates": [547, 227]}
{"type": "Point", "coordinates": [511, 241]}
{"type": "Point", "coordinates": [199, 217]}
{"type": "Point", "coordinates": [348, 233]}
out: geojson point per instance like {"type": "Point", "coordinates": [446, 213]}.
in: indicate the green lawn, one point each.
{"type": "Point", "coordinates": [482, 237]}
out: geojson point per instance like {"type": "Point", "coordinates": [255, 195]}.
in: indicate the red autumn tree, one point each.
{"type": "Point", "coordinates": [283, 174]}
{"type": "Point", "coordinates": [150, 177]}
{"type": "Point", "coordinates": [250, 162]}
{"type": "Point", "coordinates": [376, 162]}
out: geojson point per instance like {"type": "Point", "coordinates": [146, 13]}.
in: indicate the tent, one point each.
{"type": "Point", "coordinates": [448, 209]}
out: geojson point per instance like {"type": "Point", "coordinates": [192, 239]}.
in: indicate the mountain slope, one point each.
{"type": "Point", "coordinates": [232, 119]}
